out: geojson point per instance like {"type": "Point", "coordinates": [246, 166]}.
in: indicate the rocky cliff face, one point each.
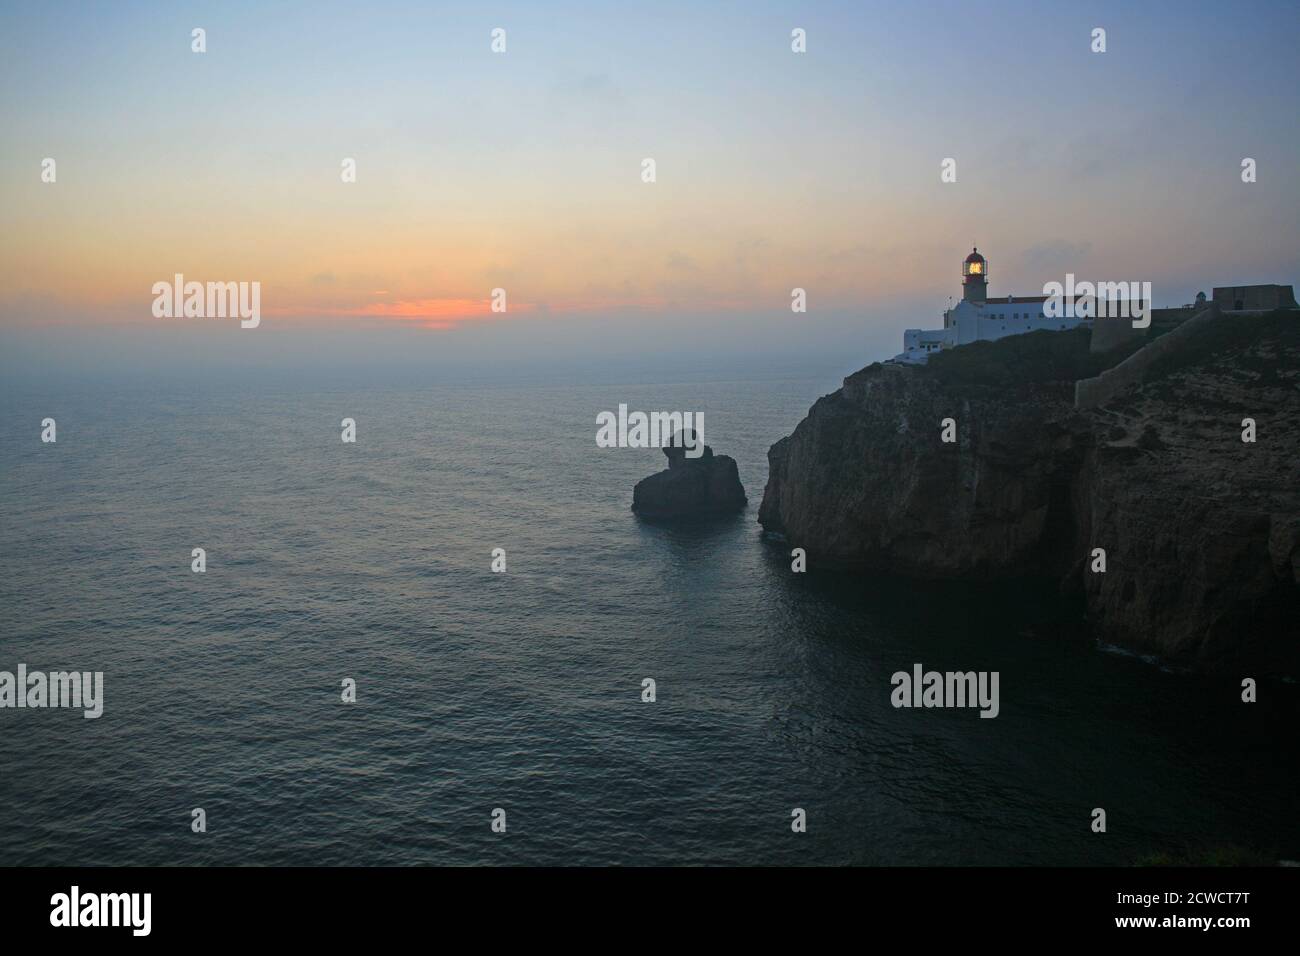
{"type": "Point", "coordinates": [1201, 530]}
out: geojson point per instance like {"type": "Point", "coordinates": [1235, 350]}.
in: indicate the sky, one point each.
{"type": "Point", "coordinates": [522, 170]}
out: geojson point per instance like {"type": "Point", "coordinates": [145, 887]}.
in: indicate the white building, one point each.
{"type": "Point", "coordinates": [977, 318]}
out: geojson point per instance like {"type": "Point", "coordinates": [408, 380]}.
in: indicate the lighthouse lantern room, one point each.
{"type": "Point", "coordinates": [975, 277]}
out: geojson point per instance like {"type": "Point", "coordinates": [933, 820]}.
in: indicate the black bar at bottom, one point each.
{"type": "Point", "coordinates": [365, 905]}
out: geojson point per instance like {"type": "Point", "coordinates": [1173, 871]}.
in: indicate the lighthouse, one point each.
{"type": "Point", "coordinates": [975, 278]}
{"type": "Point", "coordinates": [976, 318]}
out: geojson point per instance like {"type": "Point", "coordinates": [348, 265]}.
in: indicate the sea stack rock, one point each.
{"type": "Point", "coordinates": [707, 484]}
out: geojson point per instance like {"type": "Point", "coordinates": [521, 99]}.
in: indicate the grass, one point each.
{"type": "Point", "coordinates": [1032, 358]}
{"type": "Point", "coordinates": [1062, 357]}
{"type": "Point", "coordinates": [1235, 333]}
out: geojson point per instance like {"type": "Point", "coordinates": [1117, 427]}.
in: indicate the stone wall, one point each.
{"type": "Point", "coordinates": [1091, 392]}
{"type": "Point", "coordinates": [1254, 298]}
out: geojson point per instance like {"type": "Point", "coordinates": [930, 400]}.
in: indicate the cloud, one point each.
{"type": "Point", "coordinates": [429, 313]}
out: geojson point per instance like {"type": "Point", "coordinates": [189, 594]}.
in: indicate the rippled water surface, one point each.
{"type": "Point", "coordinates": [522, 690]}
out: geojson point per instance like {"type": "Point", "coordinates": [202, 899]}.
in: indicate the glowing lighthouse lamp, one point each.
{"type": "Point", "coordinates": [975, 277]}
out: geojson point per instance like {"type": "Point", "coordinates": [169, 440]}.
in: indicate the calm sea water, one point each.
{"type": "Point", "coordinates": [522, 690]}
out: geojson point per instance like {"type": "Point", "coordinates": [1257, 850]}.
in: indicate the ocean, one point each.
{"type": "Point", "coordinates": [522, 690]}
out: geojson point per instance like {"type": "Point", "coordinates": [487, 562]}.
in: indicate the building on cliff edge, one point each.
{"type": "Point", "coordinates": [977, 318]}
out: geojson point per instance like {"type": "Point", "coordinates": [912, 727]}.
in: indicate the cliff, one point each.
{"type": "Point", "coordinates": [1201, 530]}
